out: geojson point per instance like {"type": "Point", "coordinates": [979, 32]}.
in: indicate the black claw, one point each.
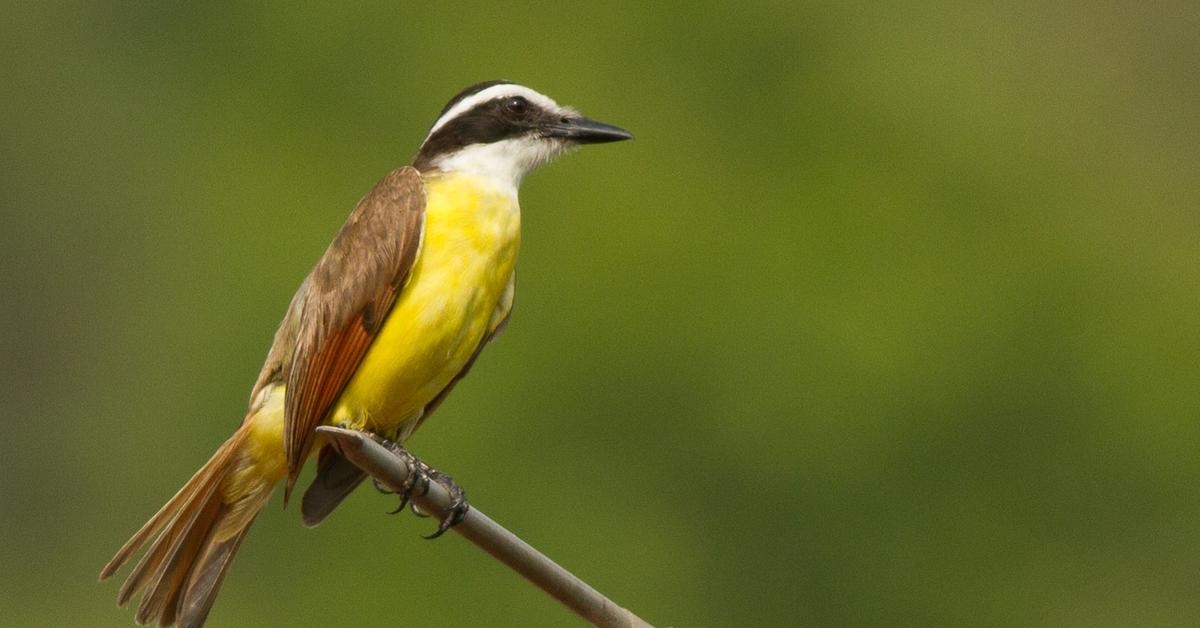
{"type": "Point", "coordinates": [418, 476]}
{"type": "Point", "coordinates": [421, 475]}
{"type": "Point", "coordinates": [458, 503]}
{"type": "Point", "coordinates": [455, 517]}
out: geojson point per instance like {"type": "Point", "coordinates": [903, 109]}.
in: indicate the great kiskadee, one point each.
{"type": "Point", "coordinates": [417, 281]}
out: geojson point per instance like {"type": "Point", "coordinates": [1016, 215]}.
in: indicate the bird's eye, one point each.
{"type": "Point", "coordinates": [516, 105]}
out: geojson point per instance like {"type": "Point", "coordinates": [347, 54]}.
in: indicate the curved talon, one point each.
{"type": "Point", "coordinates": [456, 514]}
{"type": "Point", "coordinates": [405, 493]}
{"type": "Point", "coordinates": [418, 476]}
{"type": "Point", "coordinates": [422, 475]}
{"type": "Point", "coordinates": [458, 504]}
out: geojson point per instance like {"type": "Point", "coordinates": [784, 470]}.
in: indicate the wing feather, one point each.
{"type": "Point", "coordinates": [340, 306]}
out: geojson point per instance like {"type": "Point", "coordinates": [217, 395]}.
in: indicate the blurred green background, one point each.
{"type": "Point", "coordinates": [888, 317]}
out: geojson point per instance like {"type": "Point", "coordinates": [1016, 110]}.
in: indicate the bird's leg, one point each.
{"type": "Point", "coordinates": [458, 502]}
{"type": "Point", "coordinates": [420, 475]}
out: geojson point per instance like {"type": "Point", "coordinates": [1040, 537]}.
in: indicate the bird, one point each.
{"type": "Point", "coordinates": [417, 281]}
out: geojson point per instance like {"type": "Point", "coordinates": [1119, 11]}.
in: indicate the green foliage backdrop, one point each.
{"type": "Point", "coordinates": [887, 317]}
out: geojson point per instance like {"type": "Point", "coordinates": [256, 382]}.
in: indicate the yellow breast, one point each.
{"type": "Point", "coordinates": [456, 290]}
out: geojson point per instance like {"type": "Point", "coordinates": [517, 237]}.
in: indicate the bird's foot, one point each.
{"type": "Point", "coordinates": [458, 502]}
{"type": "Point", "coordinates": [419, 477]}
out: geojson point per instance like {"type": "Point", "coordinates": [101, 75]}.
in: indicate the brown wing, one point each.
{"type": "Point", "coordinates": [340, 306]}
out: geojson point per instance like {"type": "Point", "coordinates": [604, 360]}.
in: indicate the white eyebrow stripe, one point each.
{"type": "Point", "coordinates": [495, 91]}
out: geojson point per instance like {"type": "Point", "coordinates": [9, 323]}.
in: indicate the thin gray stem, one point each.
{"type": "Point", "coordinates": [375, 459]}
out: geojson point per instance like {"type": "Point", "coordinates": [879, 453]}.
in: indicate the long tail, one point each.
{"type": "Point", "coordinates": [199, 530]}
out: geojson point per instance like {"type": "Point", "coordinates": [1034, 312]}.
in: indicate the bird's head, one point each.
{"type": "Point", "coordinates": [502, 130]}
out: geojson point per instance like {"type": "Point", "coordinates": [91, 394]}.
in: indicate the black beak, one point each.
{"type": "Point", "coordinates": [583, 130]}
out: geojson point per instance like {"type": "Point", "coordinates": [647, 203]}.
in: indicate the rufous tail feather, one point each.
{"type": "Point", "coordinates": [198, 532]}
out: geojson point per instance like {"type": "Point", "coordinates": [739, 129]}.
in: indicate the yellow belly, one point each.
{"type": "Point", "coordinates": [454, 296]}
{"type": "Point", "coordinates": [457, 292]}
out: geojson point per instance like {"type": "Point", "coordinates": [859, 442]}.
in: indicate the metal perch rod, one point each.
{"type": "Point", "coordinates": [373, 458]}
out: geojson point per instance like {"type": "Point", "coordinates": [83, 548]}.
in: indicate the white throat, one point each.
{"type": "Point", "coordinates": [505, 163]}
